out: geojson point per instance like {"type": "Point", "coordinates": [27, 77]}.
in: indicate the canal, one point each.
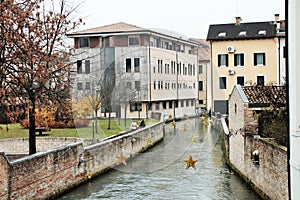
{"type": "Point", "coordinates": [161, 173]}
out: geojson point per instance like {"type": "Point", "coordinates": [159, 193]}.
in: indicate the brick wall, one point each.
{"type": "Point", "coordinates": [49, 173]}
{"type": "Point", "coordinates": [270, 176]}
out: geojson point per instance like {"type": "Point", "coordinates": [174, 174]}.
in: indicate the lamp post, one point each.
{"type": "Point", "coordinates": [93, 109]}
{"type": "Point", "coordinates": [138, 104]}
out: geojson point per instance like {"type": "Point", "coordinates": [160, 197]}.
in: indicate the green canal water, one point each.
{"type": "Point", "coordinates": [161, 173]}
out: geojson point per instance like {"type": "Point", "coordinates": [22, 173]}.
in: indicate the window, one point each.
{"type": "Point", "coordinates": [259, 59]}
{"type": "Point", "coordinates": [262, 32]}
{"type": "Point", "coordinates": [134, 41]}
{"type": "Point", "coordinates": [242, 33]}
{"type": "Point", "coordinates": [154, 85]}
{"type": "Point", "coordinates": [137, 85]}
{"type": "Point", "coordinates": [156, 105]}
{"type": "Point", "coordinates": [260, 80]}
{"type": "Point", "coordinates": [200, 101]}
{"type": "Point", "coordinates": [136, 64]}
{"type": "Point", "coordinates": [192, 102]}
{"type": "Point", "coordinates": [240, 80]}
{"type": "Point", "coordinates": [164, 103]}
{"type": "Point", "coordinates": [182, 103]}
{"type": "Point", "coordinates": [222, 83]}
{"type": "Point", "coordinates": [187, 103]}
{"type": "Point", "coordinates": [84, 42]}
{"type": "Point", "coordinates": [156, 42]}
{"type": "Point", "coordinates": [128, 65]}
{"type": "Point", "coordinates": [87, 86]}
{"type": "Point", "coordinates": [170, 104]}
{"type": "Point", "coordinates": [200, 86]}
{"type": "Point", "coordinates": [128, 85]}
{"type": "Point", "coordinates": [223, 60]}
{"type": "Point", "coordinates": [87, 67]}
{"type": "Point", "coordinates": [135, 106]}
{"type": "Point", "coordinates": [79, 86]}
{"type": "Point", "coordinates": [222, 34]}
{"type": "Point", "coordinates": [79, 66]}
{"type": "Point", "coordinates": [200, 69]}
{"type": "Point", "coordinates": [239, 59]}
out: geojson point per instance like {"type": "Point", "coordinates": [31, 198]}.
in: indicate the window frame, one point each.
{"type": "Point", "coordinates": [200, 88]}
{"type": "Point", "coordinates": [127, 66]}
{"type": "Point", "coordinates": [226, 83]}
{"type": "Point", "coordinates": [87, 66]}
{"type": "Point", "coordinates": [241, 62]}
{"type": "Point", "coordinates": [79, 66]}
{"type": "Point", "coordinates": [255, 56]}
{"type": "Point", "coordinates": [237, 82]}
{"type": "Point", "coordinates": [220, 60]}
{"type": "Point", "coordinates": [131, 41]}
{"type": "Point", "coordinates": [137, 65]}
{"type": "Point", "coordinates": [84, 42]}
{"type": "Point", "coordinates": [257, 82]}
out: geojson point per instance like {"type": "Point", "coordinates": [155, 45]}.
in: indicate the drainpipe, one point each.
{"type": "Point", "coordinates": [150, 88]}
{"type": "Point", "coordinates": [279, 65]}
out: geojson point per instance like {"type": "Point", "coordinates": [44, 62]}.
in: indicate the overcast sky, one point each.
{"type": "Point", "coordinates": [189, 17]}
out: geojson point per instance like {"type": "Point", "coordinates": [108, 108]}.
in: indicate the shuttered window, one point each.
{"type": "Point", "coordinates": [223, 60]}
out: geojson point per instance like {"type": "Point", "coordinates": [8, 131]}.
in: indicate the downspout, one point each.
{"type": "Point", "coordinates": [287, 95]}
{"type": "Point", "coordinates": [211, 80]}
{"type": "Point", "coordinates": [279, 66]}
{"type": "Point", "coordinates": [149, 76]}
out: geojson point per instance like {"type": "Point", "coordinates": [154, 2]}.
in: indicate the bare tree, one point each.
{"type": "Point", "coordinates": [34, 67]}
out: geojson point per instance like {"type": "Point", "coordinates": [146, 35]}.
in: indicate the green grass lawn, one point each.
{"type": "Point", "coordinates": [16, 131]}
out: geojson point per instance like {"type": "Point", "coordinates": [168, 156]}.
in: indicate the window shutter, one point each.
{"type": "Point", "coordinates": [242, 59]}
{"type": "Point", "coordinates": [235, 60]}
{"type": "Point", "coordinates": [219, 60]}
{"type": "Point", "coordinates": [255, 59]}
{"type": "Point", "coordinates": [226, 60]}
{"type": "Point", "coordinates": [264, 59]}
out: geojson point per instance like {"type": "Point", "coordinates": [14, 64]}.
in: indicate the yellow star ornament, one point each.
{"type": "Point", "coordinates": [173, 123]}
{"type": "Point", "coordinates": [122, 159]}
{"type": "Point", "coordinates": [194, 138]}
{"type": "Point", "coordinates": [185, 129]}
{"type": "Point", "coordinates": [202, 118]}
{"type": "Point", "coordinates": [170, 116]}
{"type": "Point", "coordinates": [190, 163]}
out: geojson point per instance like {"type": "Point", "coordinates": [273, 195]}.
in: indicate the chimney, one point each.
{"type": "Point", "coordinates": [238, 20]}
{"type": "Point", "coordinates": [277, 21]}
{"type": "Point", "coordinates": [276, 17]}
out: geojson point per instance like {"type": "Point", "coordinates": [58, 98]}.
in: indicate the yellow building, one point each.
{"type": "Point", "coordinates": [245, 54]}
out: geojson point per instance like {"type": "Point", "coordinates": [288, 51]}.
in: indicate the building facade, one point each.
{"type": "Point", "coordinates": [245, 54]}
{"type": "Point", "coordinates": [203, 102]}
{"type": "Point", "coordinates": [152, 70]}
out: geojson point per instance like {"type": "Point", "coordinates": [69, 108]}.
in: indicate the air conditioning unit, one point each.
{"type": "Point", "coordinates": [231, 72]}
{"type": "Point", "coordinates": [230, 49]}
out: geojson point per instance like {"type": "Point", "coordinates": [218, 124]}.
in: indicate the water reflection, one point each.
{"type": "Point", "coordinates": [161, 174]}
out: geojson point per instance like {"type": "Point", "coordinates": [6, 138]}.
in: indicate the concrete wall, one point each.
{"type": "Point", "coordinates": [47, 174]}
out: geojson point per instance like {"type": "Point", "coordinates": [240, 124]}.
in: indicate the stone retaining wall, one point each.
{"type": "Point", "coordinates": [47, 174]}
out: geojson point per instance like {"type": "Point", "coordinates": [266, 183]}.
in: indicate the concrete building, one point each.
{"type": "Point", "coordinates": [152, 70]}
{"type": "Point", "coordinates": [204, 75]}
{"type": "Point", "coordinates": [245, 53]}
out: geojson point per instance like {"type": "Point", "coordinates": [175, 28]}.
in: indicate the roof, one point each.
{"type": "Point", "coordinates": [264, 96]}
{"type": "Point", "coordinates": [124, 28]}
{"type": "Point", "coordinates": [117, 27]}
{"type": "Point", "coordinates": [204, 50]}
{"type": "Point", "coordinates": [242, 31]}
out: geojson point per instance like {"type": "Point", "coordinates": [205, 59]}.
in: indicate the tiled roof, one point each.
{"type": "Point", "coordinates": [264, 96]}
{"type": "Point", "coordinates": [117, 27]}
{"type": "Point", "coordinates": [232, 31]}
{"type": "Point", "coordinates": [204, 50]}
